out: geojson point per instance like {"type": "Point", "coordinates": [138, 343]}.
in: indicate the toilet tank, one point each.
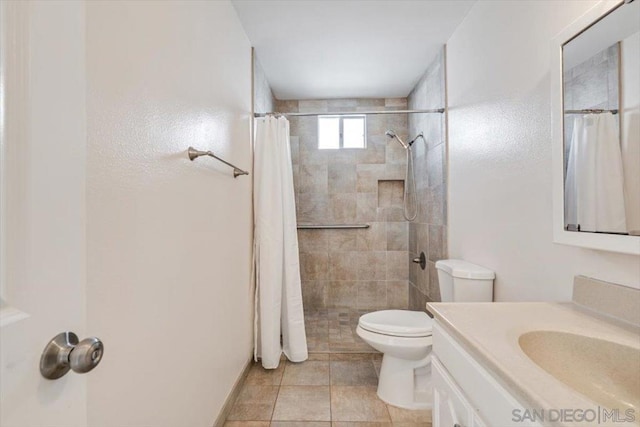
{"type": "Point", "coordinates": [461, 281]}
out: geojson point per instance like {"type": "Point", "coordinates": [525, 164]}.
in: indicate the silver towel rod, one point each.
{"type": "Point", "coordinates": [194, 154]}
{"type": "Point", "coordinates": [347, 113]}
{"type": "Point", "coordinates": [330, 226]}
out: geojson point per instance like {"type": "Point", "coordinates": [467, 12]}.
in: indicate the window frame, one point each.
{"type": "Point", "coordinates": [341, 118]}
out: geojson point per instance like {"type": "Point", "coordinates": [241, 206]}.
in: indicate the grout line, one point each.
{"type": "Point", "coordinates": [330, 393]}
{"type": "Point", "coordinates": [273, 410]}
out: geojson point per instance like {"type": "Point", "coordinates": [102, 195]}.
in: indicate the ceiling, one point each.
{"type": "Point", "coordinates": [319, 49]}
{"type": "Point", "coordinates": [616, 26]}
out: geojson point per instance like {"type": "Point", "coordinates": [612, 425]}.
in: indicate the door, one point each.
{"type": "Point", "coordinates": [43, 209]}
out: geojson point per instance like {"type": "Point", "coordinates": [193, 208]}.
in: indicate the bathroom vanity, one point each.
{"type": "Point", "coordinates": [523, 364]}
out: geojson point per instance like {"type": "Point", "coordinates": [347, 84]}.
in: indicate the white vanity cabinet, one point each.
{"type": "Point", "coordinates": [450, 407]}
{"type": "Point", "coordinates": [465, 394]}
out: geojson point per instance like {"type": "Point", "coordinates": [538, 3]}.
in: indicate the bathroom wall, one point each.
{"type": "Point", "coordinates": [169, 247]}
{"type": "Point", "coordinates": [366, 268]}
{"type": "Point", "coordinates": [499, 124]}
{"type": "Point", "coordinates": [428, 232]}
{"type": "Point", "coordinates": [263, 99]}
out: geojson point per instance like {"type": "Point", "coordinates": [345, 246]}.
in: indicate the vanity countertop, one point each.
{"type": "Point", "coordinates": [490, 333]}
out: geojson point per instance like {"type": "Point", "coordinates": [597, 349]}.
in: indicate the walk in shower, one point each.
{"type": "Point", "coordinates": [365, 213]}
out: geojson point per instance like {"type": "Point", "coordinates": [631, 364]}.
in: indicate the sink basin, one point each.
{"type": "Point", "coordinates": [606, 372]}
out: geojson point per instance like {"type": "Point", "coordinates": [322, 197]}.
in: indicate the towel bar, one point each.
{"type": "Point", "coordinates": [194, 154]}
{"type": "Point", "coordinates": [330, 226]}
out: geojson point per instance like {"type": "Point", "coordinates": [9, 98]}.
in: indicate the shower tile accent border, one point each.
{"type": "Point", "coordinates": [333, 330]}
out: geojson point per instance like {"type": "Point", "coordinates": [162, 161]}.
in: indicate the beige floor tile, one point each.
{"type": "Point", "coordinates": [260, 376]}
{"type": "Point", "coordinates": [318, 346]}
{"type": "Point", "coordinates": [306, 373]}
{"type": "Point", "coordinates": [411, 425]}
{"type": "Point", "coordinates": [357, 403]}
{"type": "Point", "coordinates": [246, 424]}
{"type": "Point", "coordinates": [400, 415]}
{"type": "Point", "coordinates": [254, 403]}
{"type": "Point", "coordinates": [351, 356]}
{"type": "Point", "coordinates": [357, 372]}
{"type": "Point", "coordinates": [359, 424]}
{"type": "Point", "coordinates": [250, 411]}
{"type": "Point", "coordinates": [377, 364]}
{"type": "Point", "coordinates": [300, 424]}
{"type": "Point", "coordinates": [318, 356]}
{"type": "Point", "coordinates": [303, 403]}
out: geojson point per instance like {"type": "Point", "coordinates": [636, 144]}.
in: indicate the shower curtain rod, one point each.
{"type": "Point", "coordinates": [590, 111]}
{"type": "Point", "coordinates": [340, 113]}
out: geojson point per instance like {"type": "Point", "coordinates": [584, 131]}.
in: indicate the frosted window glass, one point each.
{"type": "Point", "coordinates": [328, 132]}
{"type": "Point", "coordinates": [353, 132]}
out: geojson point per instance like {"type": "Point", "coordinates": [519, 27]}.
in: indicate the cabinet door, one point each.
{"type": "Point", "coordinates": [450, 408]}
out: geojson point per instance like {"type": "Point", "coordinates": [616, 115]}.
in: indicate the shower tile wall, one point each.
{"type": "Point", "coordinates": [428, 232]}
{"type": "Point", "coordinates": [365, 269]}
{"type": "Point", "coordinates": [593, 83]}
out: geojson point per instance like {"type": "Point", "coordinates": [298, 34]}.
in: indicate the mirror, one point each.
{"type": "Point", "coordinates": [601, 124]}
{"type": "Point", "coordinates": [594, 66]}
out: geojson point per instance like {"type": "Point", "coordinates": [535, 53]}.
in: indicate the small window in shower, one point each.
{"type": "Point", "coordinates": [345, 131]}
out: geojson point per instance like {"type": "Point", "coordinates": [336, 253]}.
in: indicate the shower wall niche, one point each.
{"type": "Point", "coordinates": [365, 269]}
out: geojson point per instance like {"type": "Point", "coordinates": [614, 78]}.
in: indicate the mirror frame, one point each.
{"type": "Point", "coordinates": [605, 242]}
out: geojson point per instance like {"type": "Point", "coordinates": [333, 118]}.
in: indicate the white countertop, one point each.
{"type": "Point", "coordinates": [490, 333]}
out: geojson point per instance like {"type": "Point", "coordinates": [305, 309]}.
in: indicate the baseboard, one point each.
{"type": "Point", "coordinates": [231, 398]}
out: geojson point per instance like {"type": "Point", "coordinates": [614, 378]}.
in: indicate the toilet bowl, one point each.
{"type": "Point", "coordinates": [405, 337]}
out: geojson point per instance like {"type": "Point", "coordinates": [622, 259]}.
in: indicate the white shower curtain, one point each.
{"type": "Point", "coordinates": [594, 186]}
{"type": "Point", "coordinates": [278, 306]}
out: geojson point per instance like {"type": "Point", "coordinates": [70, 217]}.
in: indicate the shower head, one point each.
{"type": "Point", "coordinates": [391, 134]}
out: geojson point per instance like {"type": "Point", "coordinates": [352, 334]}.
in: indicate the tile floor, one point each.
{"type": "Point", "coordinates": [333, 330]}
{"type": "Point", "coordinates": [328, 390]}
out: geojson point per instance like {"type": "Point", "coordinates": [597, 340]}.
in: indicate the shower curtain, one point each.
{"type": "Point", "coordinates": [594, 186]}
{"type": "Point", "coordinates": [278, 303]}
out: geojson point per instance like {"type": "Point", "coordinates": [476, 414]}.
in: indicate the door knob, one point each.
{"type": "Point", "coordinates": [64, 352]}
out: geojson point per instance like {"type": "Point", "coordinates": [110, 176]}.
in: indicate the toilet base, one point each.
{"type": "Point", "coordinates": [405, 383]}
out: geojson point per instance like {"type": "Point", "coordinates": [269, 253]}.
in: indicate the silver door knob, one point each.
{"type": "Point", "coordinates": [64, 353]}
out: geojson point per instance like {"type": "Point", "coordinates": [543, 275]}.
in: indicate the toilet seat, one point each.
{"type": "Point", "coordinates": [398, 323]}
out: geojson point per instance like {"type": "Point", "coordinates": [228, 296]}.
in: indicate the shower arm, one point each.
{"type": "Point", "coordinates": [420, 135]}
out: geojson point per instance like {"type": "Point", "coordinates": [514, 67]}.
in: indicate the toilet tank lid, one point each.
{"type": "Point", "coordinates": [464, 269]}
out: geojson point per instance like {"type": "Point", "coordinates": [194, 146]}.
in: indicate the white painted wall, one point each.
{"type": "Point", "coordinates": [43, 168]}
{"type": "Point", "coordinates": [169, 248]}
{"type": "Point", "coordinates": [631, 129]}
{"type": "Point", "coordinates": [263, 99]}
{"type": "Point", "coordinates": [500, 210]}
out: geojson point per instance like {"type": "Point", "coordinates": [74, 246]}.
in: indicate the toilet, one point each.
{"type": "Point", "coordinates": [404, 336]}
